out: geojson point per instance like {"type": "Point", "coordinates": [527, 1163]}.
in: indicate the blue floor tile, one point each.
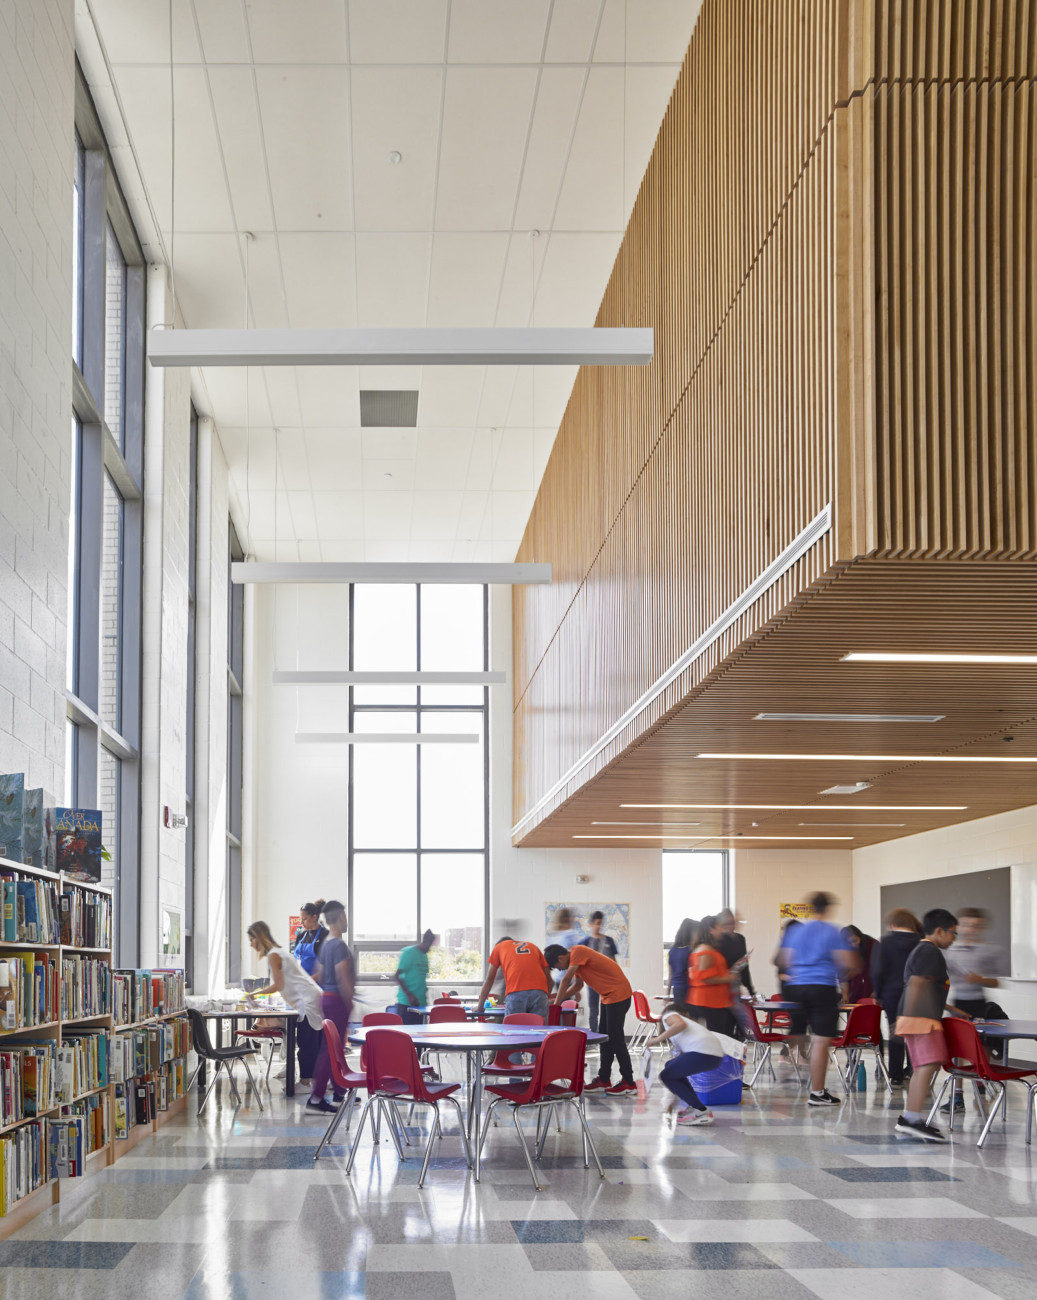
{"type": "Point", "coordinates": [921, 1254]}
{"type": "Point", "coordinates": [541, 1231]}
{"type": "Point", "coordinates": [63, 1254]}
{"type": "Point", "coordinates": [893, 1174]}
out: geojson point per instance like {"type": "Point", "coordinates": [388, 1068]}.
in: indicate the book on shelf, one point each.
{"type": "Point", "coordinates": [23, 1163]}
{"type": "Point", "coordinates": [86, 987]}
{"type": "Point", "coordinates": [85, 919]}
{"type": "Point", "coordinates": [28, 1080]}
{"type": "Point", "coordinates": [144, 1104]}
{"type": "Point", "coordinates": [67, 1146]}
{"type": "Point", "coordinates": [83, 1063]}
{"type": "Point", "coordinates": [120, 1121]}
{"type": "Point", "coordinates": [33, 836]}
{"type": "Point", "coordinates": [30, 908]}
{"type": "Point", "coordinates": [140, 994]}
{"type": "Point", "coordinates": [74, 842]}
{"type": "Point", "coordinates": [29, 990]}
{"type": "Point", "coordinates": [12, 815]}
{"type": "Point", "coordinates": [96, 1122]}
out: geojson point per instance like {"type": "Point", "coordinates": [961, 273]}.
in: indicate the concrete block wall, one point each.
{"type": "Point", "coordinates": [36, 167]}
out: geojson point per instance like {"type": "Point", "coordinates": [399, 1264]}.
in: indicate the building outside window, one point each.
{"type": "Point", "coordinates": [418, 855]}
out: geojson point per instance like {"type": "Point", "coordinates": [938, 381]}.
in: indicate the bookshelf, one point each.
{"type": "Point", "coordinates": [72, 977]}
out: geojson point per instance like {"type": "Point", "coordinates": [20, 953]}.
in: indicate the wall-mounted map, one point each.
{"type": "Point", "coordinates": [616, 923]}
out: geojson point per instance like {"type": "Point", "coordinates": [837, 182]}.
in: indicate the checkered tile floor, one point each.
{"type": "Point", "coordinates": [775, 1200]}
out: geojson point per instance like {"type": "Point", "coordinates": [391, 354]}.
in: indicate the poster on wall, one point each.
{"type": "Point", "coordinates": [294, 923]}
{"type": "Point", "coordinates": [170, 932]}
{"type": "Point", "coordinates": [616, 922]}
{"type": "Point", "coordinates": [791, 912]}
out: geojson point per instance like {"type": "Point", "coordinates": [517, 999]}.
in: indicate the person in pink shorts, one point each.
{"type": "Point", "coordinates": [920, 1017]}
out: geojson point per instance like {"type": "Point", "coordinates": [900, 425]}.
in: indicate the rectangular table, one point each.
{"type": "Point", "coordinates": [290, 1019]}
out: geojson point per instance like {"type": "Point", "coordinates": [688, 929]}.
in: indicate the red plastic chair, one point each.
{"type": "Point", "coordinates": [446, 999]}
{"type": "Point", "coordinates": [444, 1013]}
{"type": "Point", "coordinates": [394, 1074]}
{"type": "Point", "coordinates": [768, 1040]}
{"type": "Point", "coordinates": [779, 1019]}
{"type": "Point", "coordinates": [345, 1081]}
{"type": "Point", "coordinates": [647, 1024]}
{"type": "Point", "coordinates": [257, 1037]}
{"type": "Point", "coordinates": [502, 1064]}
{"type": "Point", "coordinates": [863, 1031]}
{"type": "Point", "coordinates": [969, 1060]}
{"type": "Point", "coordinates": [382, 1019]}
{"type": "Point", "coordinates": [557, 1078]}
{"type": "Point", "coordinates": [564, 1014]}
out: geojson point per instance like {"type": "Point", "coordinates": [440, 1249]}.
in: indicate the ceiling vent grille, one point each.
{"type": "Point", "coordinates": [388, 408]}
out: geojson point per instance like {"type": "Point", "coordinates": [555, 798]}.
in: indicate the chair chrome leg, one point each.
{"type": "Point", "coordinates": [464, 1135]}
{"type": "Point", "coordinates": [386, 1108]}
{"type": "Point", "coordinates": [1000, 1102]}
{"type": "Point", "coordinates": [428, 1148]}
{"type": "Point", "coordinates": [252, 1083]}
{"type": "Point", "coordinates": [394, 1106]}
{"type": "Point", "coordinates": [1031, 1104]}
{"type": "Point", "coordinates": [208, 1091]}
{"type": "Point", "coordinates": [587, 1136]}
{"type": "Point", "coordinates": [336, 1120]}
{"type": "Point", "coordinates": [765, 1057]}
{"type": "Point", "coordinates": [525, 1149]}
{"type": "Point", "coordinates": [233, 1084]}
{"type": "Point", "coordinates": [359, 1134]}
{"type": "Point", "coordinates": [486, 1123]}
{"type": "Point", "coordinates": [939, 1100]}
{"type": "Point", "coordinates": [884, 1072]}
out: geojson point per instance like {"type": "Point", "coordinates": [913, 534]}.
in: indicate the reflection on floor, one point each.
{"type": "Point", "coordinates": [775, 1200]}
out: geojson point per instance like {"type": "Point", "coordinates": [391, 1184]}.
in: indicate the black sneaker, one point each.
{"type": "Point", "coordinates": [823, 1099]}
{"type": "Point", "coordinates": [324, 1106]}
{"type": "Point", "coordinates": [918, 1129]}
{"type": "Point", "coordinates": [959, 1104]}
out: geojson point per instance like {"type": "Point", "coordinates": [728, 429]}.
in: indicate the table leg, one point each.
{"type": "Point", "coordinates": [475, 1127]}
{"type": "Point", "coordinates": [289, 1043]}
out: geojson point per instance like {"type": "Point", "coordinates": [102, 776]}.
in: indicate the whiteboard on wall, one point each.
{"type": "Point", "coordinates": [1024, 921]}
{"type": "Point", "coordinates": [991, 890]}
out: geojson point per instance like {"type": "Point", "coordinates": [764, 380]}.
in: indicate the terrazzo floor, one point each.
{"type": "Point", "coordinates": [774, 1200]}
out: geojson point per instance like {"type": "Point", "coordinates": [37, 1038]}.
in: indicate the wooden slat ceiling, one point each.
{"type": "Point", "coordinates": [796, 666]}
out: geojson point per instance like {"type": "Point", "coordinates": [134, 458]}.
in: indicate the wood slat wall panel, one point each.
{"type": "Point", "coordinates": [834, 242]}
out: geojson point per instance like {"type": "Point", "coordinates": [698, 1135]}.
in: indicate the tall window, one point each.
{"type": "Point", "coordinates": [192, 672]}
{"type": "Point", "coordinates": [419, 814]}
{"type": "Point", "coordinates": [102, 762]}
{"type": "Point", "coordinates": [696, 883]}
{"type": "Point", "coordinates": [235, 679]}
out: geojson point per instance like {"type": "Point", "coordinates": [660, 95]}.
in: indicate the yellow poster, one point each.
{"type": "Point", "coordinates": [791, 912]}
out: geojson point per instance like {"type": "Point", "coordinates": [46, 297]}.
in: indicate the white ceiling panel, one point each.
{"type": "Point", "coordinates": [573, 27]}
{"type": "Point", "coordinates": [392, 278]}
{"type": "Point", "coordinates": [224, 32]}
{"type": "Point", "coordinates": [315, 34]}
{"type": "Point", "coordinates": [553, 119]}
{"type": "Point", "coordinates": [305, 115]}
{"type": "Point", "coordinates": [495, 399]}
{"type": "Point", "coordinates": [576, 270]}
{"type": "Point", "coordinates": [304, 521]}
{"type": "Point", "coordinates": [318, 277]}
{"type": "Point", "coordinates": [522, 275]}
{"type": "Point", "coordinates": [486, 116]}
{"type": "Point", "coordinates": [386, 515]}
{"type": "Point", "coordinates": [334, 457]}
{"type": "Point", "coordinates": [209, 283]}
{"type": "Point", "coordinates": [435, 515]}
{"type": "Point", "coordinates": [497, 31]}
{"type": "Point", "coordinates": [388, 476]}
{"type": "Point", "coordinates": [449, 396]}
{"type": "Point", "coordinates": [139, 33]}
{"type": "Point", "coordinates": [513, 468]}
{"type": "Point", "coordinates": [237, 120]}
{"type": "Point", "coordinates": [340, 515]}
{"type": "Point", "coordinates": [486, 444]}
{"type": "Point", "coordinates": [283, 392]}
{"type": "Point", "coordinates": [465, 279]}
{"type": "Point", "coordinates": [441, 458]}
{"type": "Point", "coordinates": [397, 31]}
{"type": "Point", "coordinates": [395, 110]}
{"type": "Point", "coordinates": [470, 519]}
{"type": "Point", "coordinates": [591, 197]}
{"type": "Point", "coordinates": [329, 396]}
{"type": "Point", "coordinates": [507, 514]}
{"type": "Point", "coordinates": [388, 444]}
{"type": "Point", "coordinates": [343, 550]}
{"type": "Point", "coordinates": [652, 31]}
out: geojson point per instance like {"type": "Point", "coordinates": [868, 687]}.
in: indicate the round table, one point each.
{"type": "Point", "coordinates": [471, 1040]}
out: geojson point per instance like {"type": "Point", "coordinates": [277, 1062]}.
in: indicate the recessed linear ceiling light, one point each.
{"type": "Point", "coordinates": [800, 838]}
{"type": "Point", "coordinates": [655, 823]}
{"type": "Point", "coordinates": [810, 807]}
{"type": "Point", "coordinates": [849, 717]}
{"type": "Point", "coordinates": [852, 823]}
{"type": "Point", "coordinates": [876, 758]}
{"type": "Point", "coordinates": [896, 657]}
{"type": "Point", "coordinates": [401, 347]}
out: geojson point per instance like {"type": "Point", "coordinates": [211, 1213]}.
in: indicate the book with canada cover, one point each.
{"type": "Point", "coordinates": [12, 815]}
{"type": "Point", "coordinates": [74, 843]}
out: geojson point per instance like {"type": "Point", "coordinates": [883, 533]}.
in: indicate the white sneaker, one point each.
{"type": "Point", "coordinates": [694, 1118]}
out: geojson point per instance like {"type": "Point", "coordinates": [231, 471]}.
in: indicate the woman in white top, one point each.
{"type": "Point", "coordinates": [697, 1051]}
{"type": "Point", "coordinates": [287, 977]}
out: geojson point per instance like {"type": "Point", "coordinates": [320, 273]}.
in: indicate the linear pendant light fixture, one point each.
{"type": "Point", "coordinates": [401, 347]}
{"type": "Point", "coordinates": [255, 571]}
{"type": "Point", "coordinates": [849, 717]}
{"type": "Point", "coordinates": [386, 738]}
{"type": "Point", "coordinates": [339, 676]}
{"type": "Point", "coordinates": [800, 839]}
{"type": "Point", "coordinates": [896, 657]}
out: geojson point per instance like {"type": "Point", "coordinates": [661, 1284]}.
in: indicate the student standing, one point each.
{"type": "Point", "coordinates": [734, 949]}
{"type": "Point", "coordinates": [582, 965]}
{"type": "Point", "coordinates": [679, 956]}
{"type": "Point", "coordinates": [603, 943]}
{"type": "Point", "coordinates": [337, 980]}
{"type": "Point", "coordinates": [412, 978]}
{"type": "Point", "coordinates": [920, 1024]}
{"type": "Point", "coordinates": [710, 981]}
{"type": "Point", "coordinates": [697, 1052]}
{"type": "Point", "coordinates": [887, 976]}
{"type": "Point", "coordinates": [859, 984]}
{"type": "Point", "coordinates": [565, 930]}
{"type": "Point", "coordinates": [526, 977]}
{"type": "Point", "coordinates": [815, 958]}
{"type": "Point", "coordinates": [309, 940]}
{"type": "Point", "coordinates": [287, 977]}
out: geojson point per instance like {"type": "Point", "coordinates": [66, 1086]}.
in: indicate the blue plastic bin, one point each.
{"type": "Point", "coordinates": [722, 1086]}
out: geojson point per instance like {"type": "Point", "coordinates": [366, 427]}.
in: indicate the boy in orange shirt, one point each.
{"type": "Point", "coordinates": [525, 977]}
{"type": "Point", "coordinates": [582, 965]}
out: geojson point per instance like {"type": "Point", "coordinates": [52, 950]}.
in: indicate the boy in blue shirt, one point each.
{"type": "Point", "coordinates": [816, 958]}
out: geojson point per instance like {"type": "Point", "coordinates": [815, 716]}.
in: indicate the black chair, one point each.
{"type": "Point", "coordinates": [222, 1058]}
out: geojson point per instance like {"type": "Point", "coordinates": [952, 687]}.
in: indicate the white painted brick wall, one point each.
{"type": "Point", "coordinates": [36, 167]}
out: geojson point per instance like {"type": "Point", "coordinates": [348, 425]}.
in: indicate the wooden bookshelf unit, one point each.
{"type": "Point", "coordinates": [49, 1193]}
